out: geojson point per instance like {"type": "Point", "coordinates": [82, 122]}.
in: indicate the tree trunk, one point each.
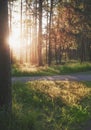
{"type": "Point", "coordinates": [5, 75]}
{"type": "Point", "coordinates": [40, 34]}
{"type": "Point", "coordinates": [50, 25]}
{"type": "Point", "coordinates": [21, 59]}
{"type": "Point", "coordinates": [10, 27]}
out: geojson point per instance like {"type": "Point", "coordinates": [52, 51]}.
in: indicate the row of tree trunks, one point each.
{"type": "Point", "coordinates": [61, 16]}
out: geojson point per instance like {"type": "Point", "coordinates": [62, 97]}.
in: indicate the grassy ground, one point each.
{"type": "Point", "coordinates": [49, 105]}
{"type": "Point", "coordinates": [52, 70]}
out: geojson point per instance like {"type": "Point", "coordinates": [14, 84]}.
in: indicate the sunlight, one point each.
{"type": "Point", "coordinates": [21, 33]}
{"type": "Point", "coordinates": [14, 42]}
{"type": "Point", "coordinates": [14, 39]}
{"type": "Point", "coordinates": [14, 36]}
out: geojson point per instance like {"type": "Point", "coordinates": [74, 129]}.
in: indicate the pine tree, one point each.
{"type": "Point", "coordinates": [5, 76]}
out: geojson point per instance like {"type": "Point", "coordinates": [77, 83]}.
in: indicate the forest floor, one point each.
{"type": "Point", "coordinates": [82, 76]}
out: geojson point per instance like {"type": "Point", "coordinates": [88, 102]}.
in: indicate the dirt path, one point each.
{"type": "Point", "coordinates": [71, 77]}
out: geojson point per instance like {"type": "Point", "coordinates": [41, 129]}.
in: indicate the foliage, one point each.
{"type": "Point", "coordinates": [48, 105]}
{"type": "Point", "coordinates": [63, 31]}
{"type": "Point", "coordinates": [52, 70]}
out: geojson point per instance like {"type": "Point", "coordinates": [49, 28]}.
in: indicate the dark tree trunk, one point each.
{"type": "Point", "coordinates": [40, 34]}
{"type": "Point", "coordinates": [50, 25]}
{"type": "Point", "coordinates": [5, 75]}
{"type": "Point", "coordinates": [47, 17]}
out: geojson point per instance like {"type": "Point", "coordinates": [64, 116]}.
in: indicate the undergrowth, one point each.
{"type": "Point", "coordinates": [52, 70]}
{"type": "Point", "coordinates": [48, 105]}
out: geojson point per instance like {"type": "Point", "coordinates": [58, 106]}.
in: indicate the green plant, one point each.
{"type": "Point", "coordinates": [45, 105]}
{"type": "Point", "coordinates": [52, 70]}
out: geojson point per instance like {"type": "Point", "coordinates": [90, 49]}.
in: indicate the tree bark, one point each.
{"type": "Point", "coordinates": [40, 35]}
{"type": "Point", "coordinates": [21, 59]}
{"type": "Point", "coordinates": [50, 25]}
{"type": "Point", "coordinates": [5, 73]}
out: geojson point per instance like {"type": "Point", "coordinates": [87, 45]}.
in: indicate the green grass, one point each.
{"type": "Point", "coordinates": [52, 70]}
{"type": "Point", "coordinates": [48, 105]}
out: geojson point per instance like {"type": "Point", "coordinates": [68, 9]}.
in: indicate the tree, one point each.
{"type": "Point", "coordinates": [21, 59]}
{"type": "Point", "coordinates": [40, 35]}
{"type": "Point", "coordinates": [50, 25]}
{"type": "Point", "coordinates": [5, 76]}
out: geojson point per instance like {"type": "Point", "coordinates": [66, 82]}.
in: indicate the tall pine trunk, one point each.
{"type": "Point", "coordinates": [5, 76]}
{"type": "Point", "coordinates": [40, 35]}
{"type": "Point", "coordinates": [21, 59]}
{"type": "Point", "coordinates": [50, 26]}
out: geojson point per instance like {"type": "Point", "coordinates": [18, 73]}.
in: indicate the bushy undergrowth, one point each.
{"type": "Point", "coordinates": [48, 105]}
{"type": "Point", "coordinates": [76, 67]}
{"type": "Point", "coordinates": [52, 70]}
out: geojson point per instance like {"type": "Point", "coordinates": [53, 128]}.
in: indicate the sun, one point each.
{"type": "Point", "coordinates": [15, 43]}
{"type": "Point", "coordinates": [14, 39]}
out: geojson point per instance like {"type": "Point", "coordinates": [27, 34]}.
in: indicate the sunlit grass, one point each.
{"type": "Point", "coordinates": [52, 70]}
{"type": "Point", "coordinates": [69, 92]}
{"type": "Point", "coordinates": [48, 105]}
